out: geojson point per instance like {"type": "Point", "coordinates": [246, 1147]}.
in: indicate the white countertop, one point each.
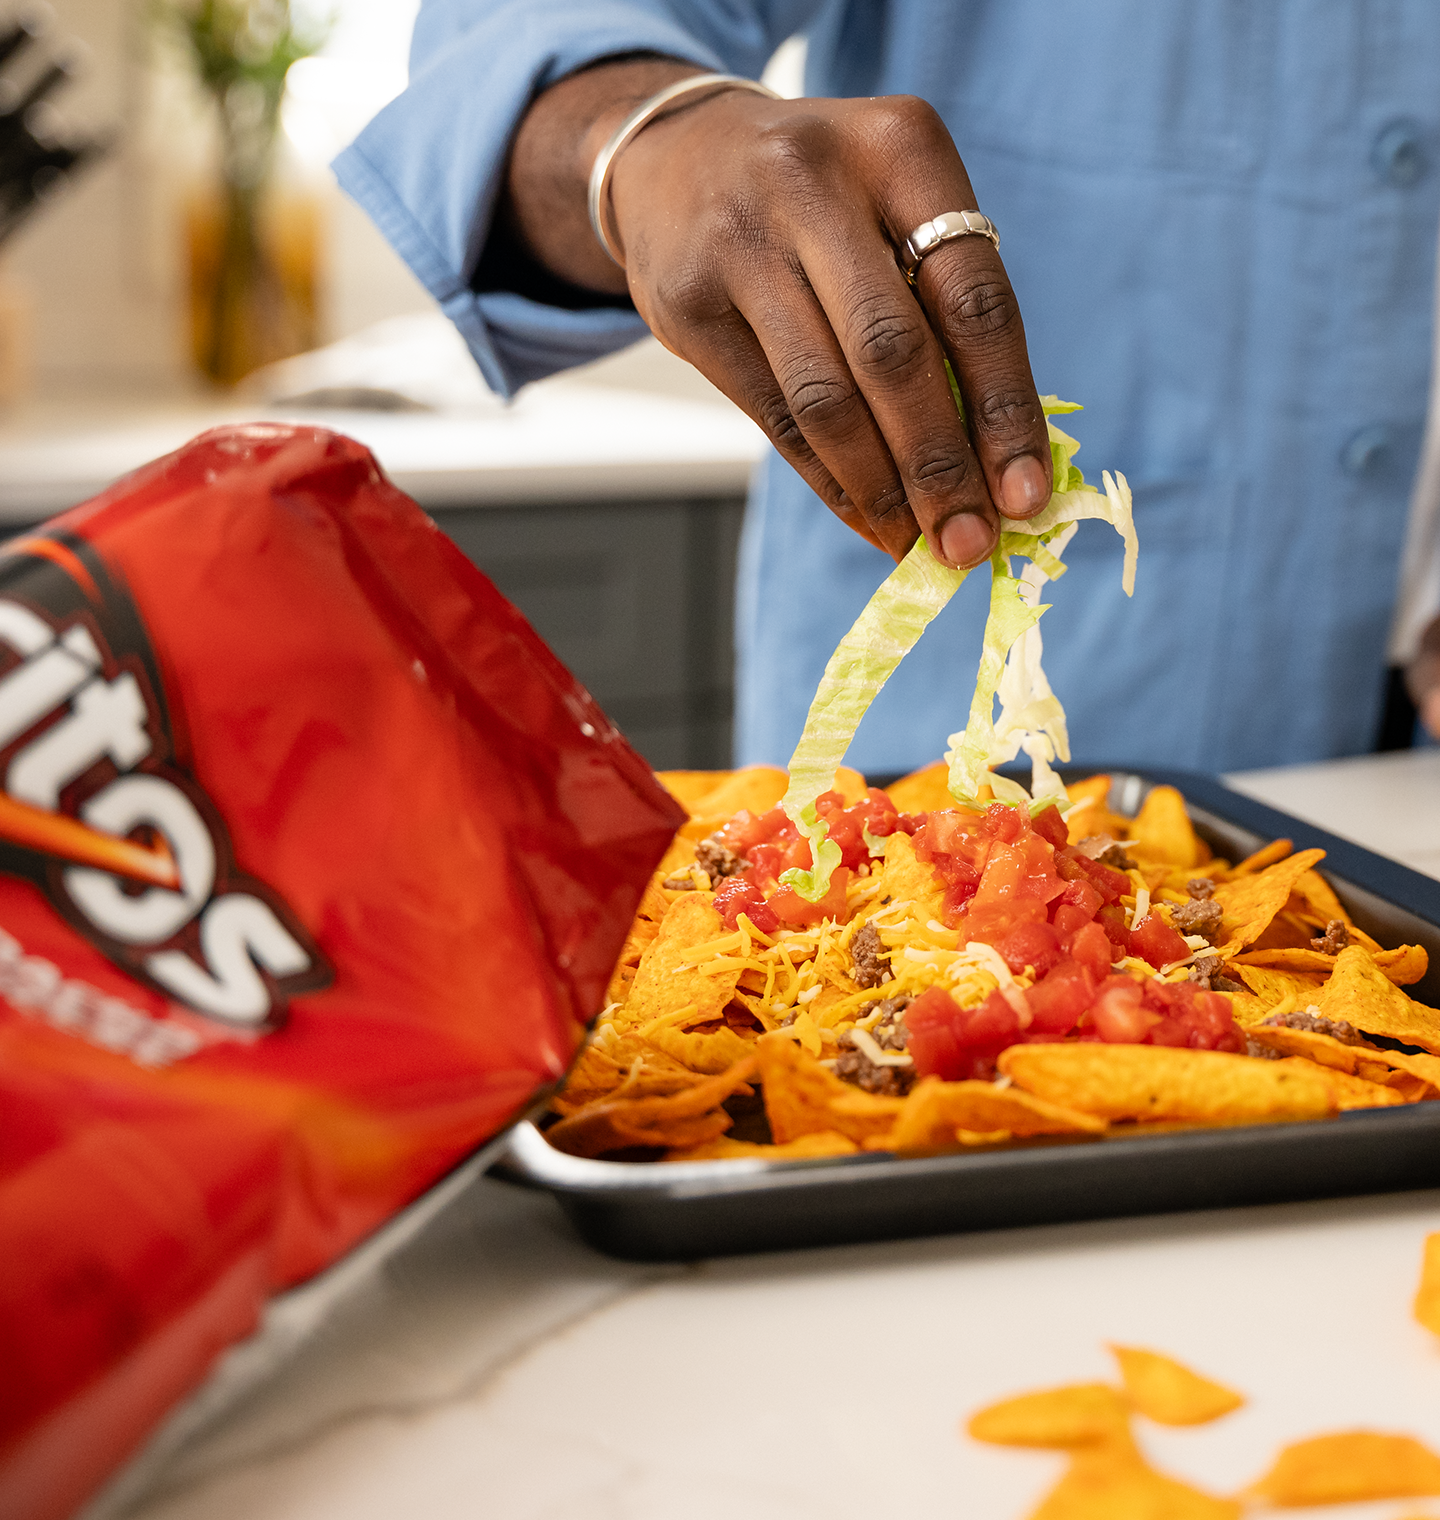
{"type": "Point", "coordinates": [497, 1368]}
{"type": "Point", "coordinates": [561, 440]}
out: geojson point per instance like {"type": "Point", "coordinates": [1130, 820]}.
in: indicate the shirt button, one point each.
{"type": "Point", "coordinates": [1399, 153]}
{"type": "Point", "coordinates": [1366, 451]}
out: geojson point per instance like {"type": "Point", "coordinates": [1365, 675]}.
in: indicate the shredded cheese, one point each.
{"type": "Point", "coordinates": [866, 1044]}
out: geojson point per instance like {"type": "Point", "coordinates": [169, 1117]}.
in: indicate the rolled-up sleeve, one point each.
{"type": "Point", "coordinates": [429, 168]}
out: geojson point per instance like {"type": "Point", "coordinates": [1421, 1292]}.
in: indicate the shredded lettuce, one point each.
{"type": "Point", "coordinates": [884, 633]}
{"type": "Point", "coordinates": [1031, 717]}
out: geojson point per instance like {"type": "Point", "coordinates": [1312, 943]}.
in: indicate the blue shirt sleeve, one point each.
{"type": "Point", "coordinates": [428, 169]}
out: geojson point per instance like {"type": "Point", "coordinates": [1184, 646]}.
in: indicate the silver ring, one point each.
{"type": "Point", "coordinates": [950, 224]}
{"type": "Point", "coordinates": [641, 116]}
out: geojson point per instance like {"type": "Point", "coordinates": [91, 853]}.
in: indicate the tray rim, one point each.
{"type": "Point", "coordinates": [528, 1160]}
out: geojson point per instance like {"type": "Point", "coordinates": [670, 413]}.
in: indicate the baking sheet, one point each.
{"type": "Point", "coordinates": [663, 1211]}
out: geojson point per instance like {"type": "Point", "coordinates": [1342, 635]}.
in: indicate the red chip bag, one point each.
{"type": "Point", "coordinates": [313, 865]}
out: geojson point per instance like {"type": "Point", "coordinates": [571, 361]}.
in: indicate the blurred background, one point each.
{"type": "Point", "coordinates": [171, 236]}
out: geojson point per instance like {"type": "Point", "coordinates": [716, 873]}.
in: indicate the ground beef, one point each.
{"type": "Point", "coordinates": [854, 1066]}
{"type": "Point", "coordinates": [1335, 939]}
{"type": "Point", "coordinates": [1205, 972]}
{"type": "Point", "coordinates": [1201, 915]}
{"type": "Point", "coordinates": [685, 883]}
{"type": "Point", "coordinates": [1116, 858]}
{"type": "Point", "coordinates": [1200, 887]}
{"type": "Point", "coordinates": [716, 860]}
{"type": "Point", "coordinates": [872, 959]}
{"type": "Point", "coordinates": [1315, 1023]}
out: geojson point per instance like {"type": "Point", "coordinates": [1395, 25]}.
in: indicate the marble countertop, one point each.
{"type": "Point", "coordinates": [494, 1366]}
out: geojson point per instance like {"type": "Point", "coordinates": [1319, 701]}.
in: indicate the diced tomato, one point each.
{"type": "Point", "coordinates": [1036, 945]}
{"type": "Point", "coordinates": [957, 894]}
{"type": "Point", "coordinates": [1111, 919]}
{"type": "Point", "coordinates": [1073, 866]}
{"type": "Point", "coordinates": [735, 896]}
{"type": "Point", "coordinates": [1080, 894]}
{"type": "Point", "coordinates": [990, 922]}
{"type": "Point", "coordinates": [1007, 824]}
{"type": "Point", "coordinates": [1067, 919]}
{"type": "Point", "coordinates": [954, 1043]}
{"type": "Point", "coordinates": [1118, 1012]}
{"type": "Point", "coordinates": [1090, 945]}
{"type": "Point", "coordinates": [1057, 1002]}
{"type": "Point", "coordinates": [1192, 1017]}
{"type": "Point", "coordinates": [1153, 940]}
{"type": "Point", "coordinates": [1025, 868]}
{"type": "Point", "coordinates": [788, 905]}
{"type": "Point", "coordinates": [1048, 824]}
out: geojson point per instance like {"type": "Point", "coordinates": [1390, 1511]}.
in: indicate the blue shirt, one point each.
{"type": "Point", "coordinates": [1220, 220]}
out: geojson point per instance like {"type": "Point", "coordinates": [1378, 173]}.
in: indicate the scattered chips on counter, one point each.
{"type": "Point", "coordinates": [978, 977]}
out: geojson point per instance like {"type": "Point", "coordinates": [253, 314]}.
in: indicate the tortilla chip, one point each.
{"type": "Point", "coordinates": [1380, 1066]}
{"type": "Point", "coordinates": [1427, 1295]}
{"type": "Point", "coordinates": [1350, 1092]}
{"type": "Point", "coordinates": [1165, 1082]}
{"type": "Point", "coordinates": [1265, 856]}
{"type": "Point", "coordinates": [666, 981]}
{"type": "Point", "coordinates": [1250, 902]}
{"type": "Point", "coordinates": [802, 1098]}
{"type": "Point", "coordinates": [1112, 1483]}
{"type": "Point", "coordinates": [1360, 992]}
{"type": "Point", "coordinates": [690, 788]}
{"type": "Point", "coordinates": [711, 1050]}
{"type": "Point", "coordinates": [624, 1067]}
{"type": "Point", "coordinates": [683, 1119]}
{"type": "Point", "coordinates": [1319, 899]}
{"type": "Point", "coordinates": [755, 789]}
{"type": "Point", "coordinates": [926, 791]}
{"type": "Point", "coordinates": [1161, 832]}
{"type": "Point", "coordinates": [936, 1111]}
{"type": "Point", "coordinates": [1058, 1419]}
{"type": "Point", "coordinates": [1404, 965]}
{"type": "Point", "coordinates": [909, 880]}
{"type": "Point", "coordinates": [1348, 1467]}
{"type": "Point", "coordinates": [1170, 1394]}
{"type": "Point", "coordinates": [1268, 989]}
{"type": "Point", "coordinates": [806, 1148]}
{"type": "Point", "coordinates": [850, 784]}
{"type": "Point", "coordinates": [1090, 814]}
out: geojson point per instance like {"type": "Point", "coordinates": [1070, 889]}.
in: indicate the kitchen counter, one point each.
{"type": "Point", "coordinates": [496, 1367]}
{"type": "Point", "coordinates": [563, 439]}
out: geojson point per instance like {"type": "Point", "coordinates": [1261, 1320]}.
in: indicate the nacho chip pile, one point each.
{"type": "Point", "coordinates": [978, 978]}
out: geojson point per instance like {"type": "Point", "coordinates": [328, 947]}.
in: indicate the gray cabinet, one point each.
{"type": "Point", "coordinates": [637, 598]}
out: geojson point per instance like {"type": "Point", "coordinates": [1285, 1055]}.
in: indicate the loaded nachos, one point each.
{"type": "Point", "coordinates": [960, 961]}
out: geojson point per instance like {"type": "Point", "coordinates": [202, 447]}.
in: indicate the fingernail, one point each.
{"type": "Point", "coordinates": [966, 539]}
{"type": "Point", "coordinates": [1022, 487]}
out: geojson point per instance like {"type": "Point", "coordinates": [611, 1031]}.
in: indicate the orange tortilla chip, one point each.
{"type": "Point", "coordinates": [802, 1098]}
{"type": "Point", "coordinates": [1350, 1092]}
{"type": "Point", "coordinates": [806, 1148]}
{"type": "Point", "coordinates": [1161, 832]}
{"type": "Point", "coordinates": [1357, 1060]}
{"type": "Point", "coordinates": [925, 791]}
{"type": "Point", "coordinates": [1163, 1082]}
{"type": "Point", "coordinates": [1115, 1483]}
{"type": "Point", "coordinates": [936, 1111]}
{"type": "Point", "coordinates": [1404, 965]}
{"type": "Point", "coordinates": [683, 1119]}
{"type": "Point", "coordinates": [1250, 902]}
{"type": "Point", "coordinates": [625, 1067]}
{"type": "Point", "coordinates": [1057, 1419]}
{"type": "Point", "coordinates": [756, 789]}
{"type": "Point", "coordinates": [1090, 814]}
{"type": "Point", "coordinates": [1360, 992]}
{"type": "Point", "coordinates": [1319, 899]}
{"type": "Point", "coordinates": [1269, 989]}
{"type": "Point", "coordinates": [690, 788]}
{"type": "Point", "coordinates": [1169, 1393]}
{"type": "Point", "coordinates": [909, 880]}
{"type": "Point", "coordinates": [1427, 1295]}
{"type": "Point", "coordinates": [850, 784]}
{"type": "Point", "coordinates": [1348, 1467]}
{"type": "Point", "coordinates": [1265, 856]}
{"type": "Point", "coordinates": [668, 977]}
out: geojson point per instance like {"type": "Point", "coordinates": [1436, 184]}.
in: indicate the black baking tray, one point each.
{"type": "Point", "coordinates": [681, 1211]}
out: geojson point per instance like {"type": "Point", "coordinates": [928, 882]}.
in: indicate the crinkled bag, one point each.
{"type": "Point", "coordinates": [313, 865]}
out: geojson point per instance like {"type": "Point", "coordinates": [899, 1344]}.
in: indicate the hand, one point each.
{"type": "Point", "coordinates": [1423, 679]}
{"type": "Point", "coordinates": [759, 242]}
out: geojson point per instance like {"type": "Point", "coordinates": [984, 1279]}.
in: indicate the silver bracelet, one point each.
{"type": "Point", "coordinates": [639, 117]}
